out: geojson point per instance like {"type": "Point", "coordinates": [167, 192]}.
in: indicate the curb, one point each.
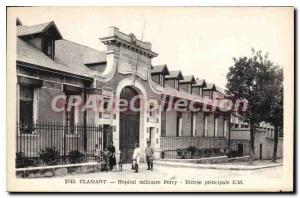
{"type": "Point", "coordinates": [217, 166]}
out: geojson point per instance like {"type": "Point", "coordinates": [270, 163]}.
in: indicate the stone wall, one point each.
{"type": "Point", "coordinates": [262, 143]}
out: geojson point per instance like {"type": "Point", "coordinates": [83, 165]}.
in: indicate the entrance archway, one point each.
{"type": "Point", "coordinates": [129, 131]}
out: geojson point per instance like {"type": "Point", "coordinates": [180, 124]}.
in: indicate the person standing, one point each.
{"type": "Point", "coordinates": [97, 153]}
{"type": "Point", "coordinates": [149, 156]}
{"type": "Point", "coordinates": [112, 158]}
{"type": "Point", "coordinates": [136, 158]}
{"type": "Point", "coordinates": [106, 156]}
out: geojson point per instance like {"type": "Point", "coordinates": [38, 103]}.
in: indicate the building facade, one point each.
{"type": "Point", "coordinates": [54, 71]}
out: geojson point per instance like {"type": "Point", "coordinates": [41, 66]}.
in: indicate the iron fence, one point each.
{"type": "Point", "coordinates": [46, 143]}
{"type": "Point", "coordinates": [172, 145]}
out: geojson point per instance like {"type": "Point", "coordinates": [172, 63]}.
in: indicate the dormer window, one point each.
{"type": "Point", "coordinates": [187, 82]}
{"type": "Point", "coordinates": [41, 36]}
{"type": "Point", "coordinates": [173, 79]}
{"type": "Point", "coordinates": [49, 47]}
{"type": "Point", "coordinates": [161, 80]}
{"type": "Point", "coordinates": [158, 74]}
{"type": "Point", "coordinates": [176, 84]}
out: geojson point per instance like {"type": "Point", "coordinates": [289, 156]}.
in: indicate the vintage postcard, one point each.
{"type": "Point", "coordinates": [150, 99]}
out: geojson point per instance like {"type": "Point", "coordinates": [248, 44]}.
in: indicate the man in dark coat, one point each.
{"type": "Point", "coordinates": [112, 159]}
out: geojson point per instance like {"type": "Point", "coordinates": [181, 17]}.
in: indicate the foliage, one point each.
{"type": "Point", "coordinates": [75, 157]}
{"type": "Point", "coordinates": [274, 99]}
{"type": "Point", "coordinates": [248, 79]}
{"type": "Point", "coordinates": [23, 161]}
{"type": "Point", "coordinates": [192, 149]}
{"type": "Point", "coordinates": [49, 156]}
{"type": "Point", "coordinates": [274, 104]}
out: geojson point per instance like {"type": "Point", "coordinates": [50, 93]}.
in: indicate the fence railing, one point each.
{"type": "Point", "coordinates": [46, 143]}
{"type": "Point", "coordinates": [171, 144]}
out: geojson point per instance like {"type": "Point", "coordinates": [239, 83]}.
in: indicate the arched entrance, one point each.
{"type": "Point", "coordinates": [129, 125]}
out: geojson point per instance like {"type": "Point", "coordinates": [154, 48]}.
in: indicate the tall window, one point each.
{"type": "Point", "coordinates": [225, 127]}
{"type": "Point", "coordinates": [193, 124]}
{"type": "Point", "coordinates": [161, 80]}
{"type": "Point", "coordinates": [176, 84]}
{"type": "Point", "coordinates": [26, 104]}
{"type": "Point", "coordinates": [70, 117]}
{"type": "Point", "coordinates": [216, 127]}
{"type": "Point", "coordinates": [49, 47]}
{"type": "Point", "coordinates": [152, 110]}
{"type": "Point", "coordinates": [179, 124]}
{"type": "Point", "coordinates": [205, 125]}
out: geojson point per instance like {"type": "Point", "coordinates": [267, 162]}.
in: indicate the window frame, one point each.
{"type": "Point", "coordinates": [216, 126]}
{"type": "Point", "coordinates": [34, 106]}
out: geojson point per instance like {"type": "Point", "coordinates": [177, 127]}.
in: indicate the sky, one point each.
{"type": "Point", "coordinates": [197, 41]}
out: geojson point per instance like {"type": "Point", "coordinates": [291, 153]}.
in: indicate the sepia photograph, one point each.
{"type": "Point", "coordinates": [150, 99]}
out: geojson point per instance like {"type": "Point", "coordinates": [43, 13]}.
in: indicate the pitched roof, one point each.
{"type": "Point", "coordinates": [70, 53]}
{"type": "Point", "coordinates": [200, 83]}
{"type": "Point", "coordinates": [210, 86]}
{"type": "Point", "coordinates": [175, 74]}
{"type": "Point", "coordinates": [222, 91]}
{"type": "Point", "coordinates": [18, 22]}
{"type": "Point", "coordinates": [160, 69]}
{"type": "Point", "coordinates": [28, 54]}
{"type": "Point", "coordinates": [23, 30]}
{"type": "Point", "coordinates": [188, 79]}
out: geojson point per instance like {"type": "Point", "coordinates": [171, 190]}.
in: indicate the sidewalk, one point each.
{"type": "Point", "coordinates": [229, 166]}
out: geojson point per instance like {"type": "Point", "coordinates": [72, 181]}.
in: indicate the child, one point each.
{"type": "Point", "coordinates": [136, 158]}
{"type": "Point", "coordinates": [97, 153]}
{"type": "Point", "coordinates": [106, 156]}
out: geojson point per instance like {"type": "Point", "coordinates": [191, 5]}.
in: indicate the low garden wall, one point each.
{"type": "Point", "coordinates": [207, 160]}
{"type": "Point", "coordinates": [58, 170]}
{"type": "Point", "coordinates": [211, 160]}
{"type": "Point", "coordinates": [239, 159]}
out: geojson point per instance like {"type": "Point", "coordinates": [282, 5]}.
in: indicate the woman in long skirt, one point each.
{"type": "Point", "coordinates": [112, 158]}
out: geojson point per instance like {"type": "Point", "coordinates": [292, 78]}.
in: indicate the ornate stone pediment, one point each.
{"type": "Point", "coordinates": [130, 62]}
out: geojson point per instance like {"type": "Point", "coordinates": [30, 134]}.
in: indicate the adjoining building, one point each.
{"type": "Point", "coordinates": [263, 140]}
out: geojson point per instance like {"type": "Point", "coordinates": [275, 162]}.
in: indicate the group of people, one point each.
{"type": "Point", "coordinates": [109, 158]}
{"type": "Point", "coordinates": [149, 151]}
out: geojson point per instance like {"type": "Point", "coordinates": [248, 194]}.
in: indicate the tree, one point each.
{"type": "Point", "coordinates": [246, 80]}
{"type": "Point", "coordinates": [274, 104]}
